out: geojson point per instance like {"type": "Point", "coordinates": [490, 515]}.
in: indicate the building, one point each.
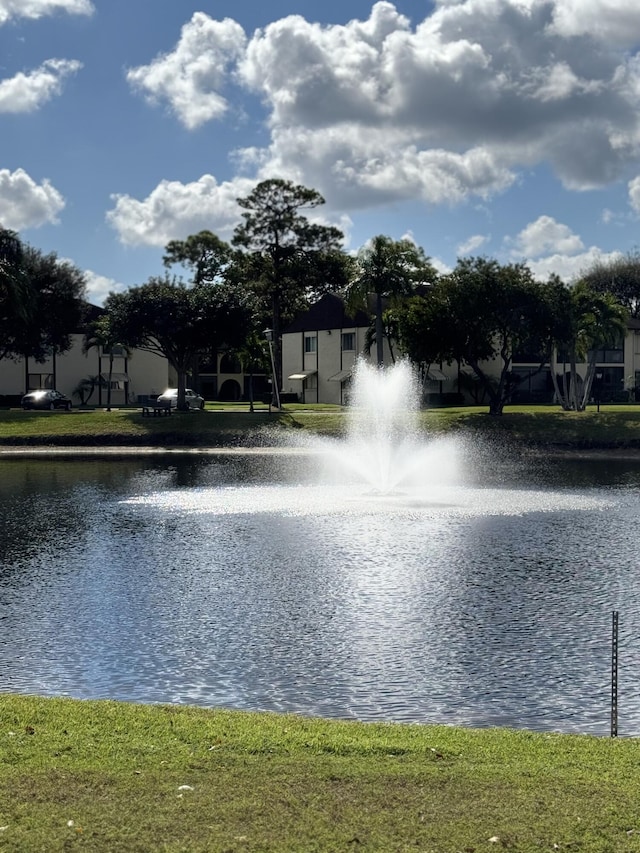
{"type": "Point", "coordinates": [319, 351]}
{"type": "Point", "coordinates": [320, 348]}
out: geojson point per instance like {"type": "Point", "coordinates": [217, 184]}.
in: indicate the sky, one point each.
{"type": "Point", "coordinates": [503, 128]}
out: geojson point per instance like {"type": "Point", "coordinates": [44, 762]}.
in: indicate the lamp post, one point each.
{"type": "Point", "coordinates": [598, 389]}
{"type": "Point", "coordinates": [275, 393]}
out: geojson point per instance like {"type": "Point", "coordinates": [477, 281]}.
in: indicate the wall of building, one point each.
{"type": "Point", "coordinates": [328, 356]}
{"type": "Point", "coordinates": [148, 373]}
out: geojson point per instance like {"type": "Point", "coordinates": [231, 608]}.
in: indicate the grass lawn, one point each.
{"type": "Point", "coordinates": [107, 777]}
{"type": "Point", "coordinates": [229, 424]}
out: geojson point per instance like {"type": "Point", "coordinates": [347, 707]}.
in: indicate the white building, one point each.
{"type": "Point", "coordinates": [134, 375]}
{"type": "Point", "coordinates": [320, 347]}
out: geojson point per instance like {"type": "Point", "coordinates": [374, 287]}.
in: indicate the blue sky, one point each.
{"type": "Point", "coordinates": [508, 128]}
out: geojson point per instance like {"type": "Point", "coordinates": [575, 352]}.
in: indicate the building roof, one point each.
{"type": "Point", "coordinates": [329, 312]}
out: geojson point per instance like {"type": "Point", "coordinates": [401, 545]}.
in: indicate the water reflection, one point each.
{"type": "Point", "coordinates": [234, 581]}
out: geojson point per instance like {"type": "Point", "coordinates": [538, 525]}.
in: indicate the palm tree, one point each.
{"type": "Point", "coordinates": [102, 336]}
{"type": "Point", "coordinates": [387, 270]}
{"type": "Point", "coordinates": [13, 283]}
{"type": "Point", "coordinates": [591, 321]}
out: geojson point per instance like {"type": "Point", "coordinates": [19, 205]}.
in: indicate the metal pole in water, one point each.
{"type": "Point", "coordinates": [614, 674]}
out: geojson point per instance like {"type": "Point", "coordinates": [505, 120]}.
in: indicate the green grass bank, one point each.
{"type": "Point", "coordinates": [536, 427]}
{"type": "Point", "coordinates": [108, 777]}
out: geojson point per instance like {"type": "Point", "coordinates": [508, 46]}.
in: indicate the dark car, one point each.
{"type": "Point", "coordinates": [45, 400]}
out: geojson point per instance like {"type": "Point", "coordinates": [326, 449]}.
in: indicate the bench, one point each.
{"type": "Point", "coordinates": [155, 410]}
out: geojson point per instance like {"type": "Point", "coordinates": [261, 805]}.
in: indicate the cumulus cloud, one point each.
{"type": "Point", "coordinates": [569, 267]}
{"type": "Point", "coordinates": [26, 204]}
{"type": "Point", "coordinates": [39, 8]}
{"type": "Point", "coordinates": [546, 235]}
{"type": "Point", "coordinates": [99, 287]}
{"type": "Point", "coordinates": [445, 109]}
{"type": "Point", "coordinates": [190, 77]}
{"type": "Point", "coordinates": [614, 21]}
{"type": "Point", "coordinates": [174, 210]}
{"type": "Point", "coordinates": [25, 93]}
{"type": "Point", "coordinates": [472, 244]}
{"type": "Point", "coordinates": [551, 248]}
{"type": "Point", "coordinates": [634, 194]}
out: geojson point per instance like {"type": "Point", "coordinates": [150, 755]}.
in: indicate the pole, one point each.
{"type": "Point", "coordinates": [275, 393]}
{"type": "Point", "coordinates": [614, 674]}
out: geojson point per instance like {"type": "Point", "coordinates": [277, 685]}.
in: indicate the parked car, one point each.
{"type": "Point", "coordinates": [170, 397]}
{"type": "Point", "coordinates": [45, 400]}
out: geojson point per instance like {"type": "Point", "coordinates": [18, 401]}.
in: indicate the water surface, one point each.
{"type": "Point", "coordinates": [257, 582]}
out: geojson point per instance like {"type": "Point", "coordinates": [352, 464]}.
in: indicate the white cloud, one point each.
{"type": "Point", "coordinates": [472, 244]}
{"type": "Point", "coordinates": [99, 287]}
{"type": "Point", "coordinates": [378, 110]}
{"type": "Point", "coordinates": [569, 267]}
{"type": "Point", "coordinates": [26, 204]}
{"type": "Point", "coordinates": [614, 21]}
{"type": "Point", "coordinates": [546, 235]}
{"type": "Point", "coordinates": [634, 194]}
{"type": "Point", "coordinates": [174, 210]}
{"type": "Point", "coordinates": [191, 76]}
{"type": "Point", "coordinates": [39, 8]}
{"type": "Point", "coordinates": [27, 92]}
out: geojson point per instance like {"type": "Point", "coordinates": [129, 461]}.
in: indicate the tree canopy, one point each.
{"type": "Point", "coordinates": [388, 270]}
{"type": "Point", "coordinates": [620, 277]}
{"type": "Point", "coordinates": [481, 312]}
{"type": "Point", "coordinates": [204, 254]}
{"type": "Point", "coordinates": [41, 301]}
{"type": "Point", "coordinates": [286, 258]}
{"type": "Point", "coordinates": [166, 318]}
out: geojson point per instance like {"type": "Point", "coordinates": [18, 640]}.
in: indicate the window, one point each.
{"type": "Point", "coordinates": [348, 341]}
{"type": "Point", "coordinates": [40, 380]}
{"type": "Point", "coordinates": [310, 343]}
{"type": "Point", "coordinates": [612, 354]}
{"type": "Point", "coordinates": [116, 350]}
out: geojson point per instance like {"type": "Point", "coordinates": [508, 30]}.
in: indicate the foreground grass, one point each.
{"type": "Point", "coordinates": [538, 426]}
{"type": "Point", "coordinates": [106, 776]}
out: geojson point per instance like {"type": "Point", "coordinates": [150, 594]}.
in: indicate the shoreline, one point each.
{"type": "Point", "coordinates": [26, 451]}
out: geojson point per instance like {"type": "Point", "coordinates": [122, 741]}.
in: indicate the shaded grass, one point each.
{"type": "Point", "coordinates": [539, 426]}
{"type": "Point", "coordinates": [107, 776]}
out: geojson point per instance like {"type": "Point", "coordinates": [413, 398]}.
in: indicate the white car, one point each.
{"type": "Point", "coordinates": [170, 397]}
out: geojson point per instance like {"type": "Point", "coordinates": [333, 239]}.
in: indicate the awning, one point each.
{"type": "Point", "coordinates": [302, 374]}
{"type": "Point", "coordinates": [436, 375]}
{"type": "Point", "coordinates": [115, 377]}
{"type": "Point", "coordinates": [342, 376]}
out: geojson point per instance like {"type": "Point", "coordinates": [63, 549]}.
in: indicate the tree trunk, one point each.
{"type": "Point", "coordinates": [109, 383]}
{"type": "Point", "coordinates": [277, 342]}
{"type": "Point", "coordinates": [379, 332]}
{"type": "Point", "coordinates": [560, 393]}
{"type": "Point", "coordinates": [181, 403]}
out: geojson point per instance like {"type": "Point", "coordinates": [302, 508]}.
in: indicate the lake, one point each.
{"type": "Point", "coordinates": [258, 581]}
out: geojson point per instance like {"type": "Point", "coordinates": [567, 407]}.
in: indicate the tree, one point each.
{"type": "Point", "coordinates": [55, 290]}
{"type": "Point", "coordinates": [14, 290]}
{"type": "Point", "coordinates": [480, 313]}
{"type": "Point", "coordinates": [586, 321]}
{"type": "Point", "coordinates": [171, 320]}
{"type": "Point", "coordinates": [389, 270]}
{"type": "Point", "coordinates": [205, 255]}
{"type": "Point", "coordinates": [85, 388]}
{"type": "Point", "coordinates": [620, 277]}
{"type": "Point", "coordinates": [102, 334]}
{"type": "Point", "coordinates": [287, 259]}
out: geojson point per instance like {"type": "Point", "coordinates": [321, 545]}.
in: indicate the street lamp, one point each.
{"type": "Point", "coordinates": [275, 393]}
